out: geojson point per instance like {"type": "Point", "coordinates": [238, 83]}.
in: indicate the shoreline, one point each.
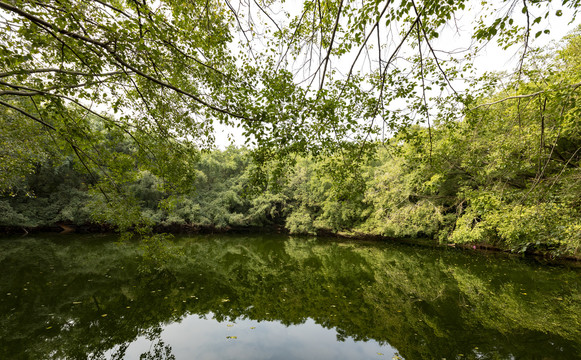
{"type": "Point", "coordinates": [188, 229]}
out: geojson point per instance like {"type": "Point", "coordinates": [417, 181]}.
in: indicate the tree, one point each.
{"type": "Point", "coordinates": [162, 74]}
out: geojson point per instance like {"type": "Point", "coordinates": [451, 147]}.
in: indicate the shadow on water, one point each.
{"type": "Point", "coordinates": [77, 297]}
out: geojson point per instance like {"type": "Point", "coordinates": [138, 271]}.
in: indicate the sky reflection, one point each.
{"type": "Point", "coordinates": [205, 338]}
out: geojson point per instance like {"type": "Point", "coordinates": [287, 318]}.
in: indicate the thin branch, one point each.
{"type": "Point", "coordinates": [564, 167]}
{"type": "Point", "coordinates": [527, 35]}
{"type": "Point", "coordinates": [112, 8]}
{"type": "Point", "coordinates": [27, 114]}
{"type": "Point", "coordinates": [240, 26]}
{"type": "Point", "coordinates": [367, 39]}
{"type": "Point", "coordinates": [573, 86]}
{"type": "Point", "coordinates": [326, 60]}
{"type": "Point", "coordinates": [19, 93]}
{"type": "Point", "coordinates": [291, 39]}
{"type": "Point", "coordinates": [268, 15]}
{"type": "Point", "coordinates": [181, 52]}
{"type": "Point", "coordinates": [76, 150]}
{"type": "Point", "coordinates": [432, 50]}
{"type": "Point", "coordinates": [38, 20]}
{"type": "Point", "coordinates": [50, 88]}
{"type": "Point", "coordinates": [395, 52]}
{"type": "Point", "coordinates": [61, 71]}
{"type": "Point", "coordinates": [424, 89]}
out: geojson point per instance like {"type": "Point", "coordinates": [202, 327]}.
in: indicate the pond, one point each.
{"type": "Point", "coordinates": [279, 297]}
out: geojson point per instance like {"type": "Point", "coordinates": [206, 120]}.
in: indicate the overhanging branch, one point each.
{"type": "Point", "coordinates": [118, 59]}
{"type": "Point", "coordinates": [525, 96]}
{"type": "Point", "coordinates": [27, 114]}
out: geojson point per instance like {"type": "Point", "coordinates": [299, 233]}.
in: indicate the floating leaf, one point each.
{"type": "Point", "coordinates": [103, 315]}
{"type": "Point", "coordinates": [252, 327]}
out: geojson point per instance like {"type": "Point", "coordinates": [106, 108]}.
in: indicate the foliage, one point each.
{"type": "Point", "coordinates": [156, 253]}
{"type": "Point", "coordinates": [507, 174]}
{"type": "Point", "coordinates": [170, 70]}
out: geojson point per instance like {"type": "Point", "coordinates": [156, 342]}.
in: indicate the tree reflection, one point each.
{"type": "Point", "coordinates": [91, 298]}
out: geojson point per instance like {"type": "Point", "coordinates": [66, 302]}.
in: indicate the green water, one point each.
{"type": "Point", "coordinates": [277, 297]}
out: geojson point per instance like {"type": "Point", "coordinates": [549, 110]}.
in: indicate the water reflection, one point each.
{"type": "Point", "coordinates": [205, 338]}
{"type": "Point", "coordinates": [285, 298]}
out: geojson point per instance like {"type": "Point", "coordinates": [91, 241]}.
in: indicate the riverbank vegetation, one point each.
{"type": "Point", "coordinates": [496, 165]}
{"type": "Point", "coordinates": [506, 175]}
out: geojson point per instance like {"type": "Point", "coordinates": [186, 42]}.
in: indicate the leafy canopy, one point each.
{"type": "Point", "coordinates": [136, 87]}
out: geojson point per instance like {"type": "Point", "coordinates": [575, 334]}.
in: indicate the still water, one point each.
{"type": "Point", "coordinates": [279, 297]}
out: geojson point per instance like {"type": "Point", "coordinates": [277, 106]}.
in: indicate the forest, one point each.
{"type": "Point", "coordinates": [275, 179]}
{"type": "Point", "coordinates": [497, 164]}
{"type": "Point", "coordinates": [501, 176]}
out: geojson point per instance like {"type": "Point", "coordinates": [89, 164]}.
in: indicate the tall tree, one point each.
{"type": "Point", "coordinates": [307, 78]}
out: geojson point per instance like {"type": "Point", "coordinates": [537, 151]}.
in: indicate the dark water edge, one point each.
{"type": "Point", "coordinates": [91, 297]}
{"type": "Point", "coordinates": [545, 257]}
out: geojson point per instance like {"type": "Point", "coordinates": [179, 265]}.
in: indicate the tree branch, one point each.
{"type": "Point", "coordinates": [61, 71]}
{"type": "Point", "coordinates": [573, 86]}
{"type": "Point", "coordinates": [27, 114]}
{"type": "Point", "coordinates": [268, 15]}
{"type": "Point", "coordinates": [367, 39]}
{"type": "Point", "coordinates": [432, 50]}
{"type": "Point", "coordinates": [326, 60]}
{"type": "Point", "coordinates": [120, 61]}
